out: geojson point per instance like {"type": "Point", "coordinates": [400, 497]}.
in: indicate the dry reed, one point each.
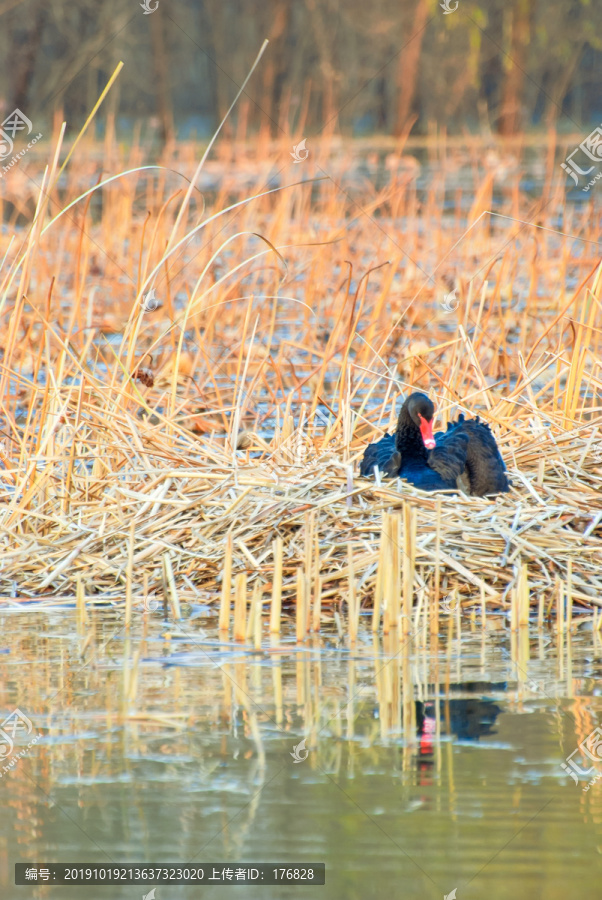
{"type": "Point", "coordinates": [179, 448]}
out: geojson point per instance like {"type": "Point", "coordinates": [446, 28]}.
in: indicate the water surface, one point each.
{"type": "Point", "coordinates": [427, 768]}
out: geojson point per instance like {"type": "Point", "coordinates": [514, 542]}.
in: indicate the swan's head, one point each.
{"type": "Point", "coordinates": [421, 411]}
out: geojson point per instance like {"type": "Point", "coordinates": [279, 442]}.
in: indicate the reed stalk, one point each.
{"type": "Point", "coordinates": [240, 607]}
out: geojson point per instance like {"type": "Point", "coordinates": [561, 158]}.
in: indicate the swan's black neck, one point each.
{"type": "Point", "coordinates": [408, 439]}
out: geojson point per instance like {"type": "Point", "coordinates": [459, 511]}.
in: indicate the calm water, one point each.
{"type": "Point", "coordinates": [429, 768]}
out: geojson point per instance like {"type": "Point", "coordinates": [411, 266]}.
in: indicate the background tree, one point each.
{"type": "Point", "coordinates": [362, 67]}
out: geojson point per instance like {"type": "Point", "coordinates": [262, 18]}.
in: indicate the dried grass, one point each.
{"type": "Point", "coordinates": [118, 473]}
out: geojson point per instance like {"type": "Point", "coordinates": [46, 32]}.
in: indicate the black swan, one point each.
{"type": "Point", "coordinates": [464, 454]}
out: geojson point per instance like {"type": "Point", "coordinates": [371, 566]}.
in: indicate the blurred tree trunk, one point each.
{"type": "Point", "coordinates": [407, 70]}
{"type": "Point", "coordinates": [280, 57]}
{"type": "Point", "coordinates": [554, 106]}
{"type": "Point", "coordinates": [515, 63]}
{"type": "Point", "coordinates": [211, 93]}
{"type": "Point", "coordinates": [161, 69]}
{"type": "Point", "coordinates": [27, 58]}
{"type": "Point", "coordinates": [320, 27]}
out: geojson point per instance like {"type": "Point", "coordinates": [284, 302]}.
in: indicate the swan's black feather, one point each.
{"type": "Point", "coordinates": [466, 452]}
{"type": "Point", "coordinates": [383, 455]}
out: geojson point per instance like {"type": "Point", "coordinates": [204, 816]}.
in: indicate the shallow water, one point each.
{"type": "Point", "coordinates": [428, 769]}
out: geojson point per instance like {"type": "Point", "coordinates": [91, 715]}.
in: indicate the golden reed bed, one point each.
{"type": "Point", "coordinates": [154, 319]}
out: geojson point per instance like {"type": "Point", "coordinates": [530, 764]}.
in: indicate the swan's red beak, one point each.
{"type": "Point", "coordinates": [426, 430]}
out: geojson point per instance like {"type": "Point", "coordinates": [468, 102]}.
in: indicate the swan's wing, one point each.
{"type": "Point", "coordinates": [486, 468]}
{"type": "Point", "coordinates": [384, 455]}
{"type": "Point", "coordinates": [484, 465]}
{"type": "Point", "coordinates": [448, 458]}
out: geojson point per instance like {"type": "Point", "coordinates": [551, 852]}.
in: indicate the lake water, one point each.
{"type": "Point", "coordinates": [424, 769]}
